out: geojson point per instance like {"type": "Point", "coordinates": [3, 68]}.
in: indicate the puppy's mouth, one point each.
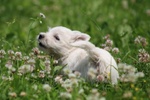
{"type": "Point", "coordinates": [42, 45]}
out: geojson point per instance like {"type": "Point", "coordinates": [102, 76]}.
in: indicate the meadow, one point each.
{"type": "Point", "coordinates": [121, 26]}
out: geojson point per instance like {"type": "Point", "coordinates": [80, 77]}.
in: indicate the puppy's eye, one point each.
{"type": "Point", "coordinates": [56, 37]}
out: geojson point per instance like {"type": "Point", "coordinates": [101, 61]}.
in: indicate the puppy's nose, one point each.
{"type": "Point", "coordinates": [41, 36]}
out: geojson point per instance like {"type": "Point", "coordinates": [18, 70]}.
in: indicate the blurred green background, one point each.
{"type": "Point", "coordinates": [122, 19]}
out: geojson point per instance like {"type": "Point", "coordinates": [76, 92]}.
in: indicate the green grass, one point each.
{"type": "Point", "coordinates": [20, 25]}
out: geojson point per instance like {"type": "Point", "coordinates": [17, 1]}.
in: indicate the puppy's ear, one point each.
{"type": "Point", "coordinates": [80, 36]}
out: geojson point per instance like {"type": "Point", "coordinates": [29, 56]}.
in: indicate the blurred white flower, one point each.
{"type": "Point", "coordinates": [24, 69]}
{"type": "Point", "coordinates": [2, 53]}
{"type": "Point", "coordinates": [143, 56]}
{"type": "Point", "coordinates": [92, 73]}
{"type": "Point", "coordinates": [106, 37]}
{"type": "Point", "coordinates": [72, 76]}
{"type": "Point", "coordinates": [9, 64]}
{"type": "Point", "coordinates": [140, 40]}
{"type": "Point", "coordinates": [67, 71]}
{"type": "Point", "coordinates": [128, 73]}
{"type": "Point", "coordinates": [9, 78]}
{"type": "Point", "coordinates": [109, 42]}
{"type": "Point", "coordinates": [115, 50]}
{"type": "Point", "coordinates": [107, 48]}
{"type": "Point", "coordinates": [22, 94]}
{"type": "Point", "coordinates": [12, 94]}
{"type": "Point", "coordinates": [58, 79]}
{"type": "Point", "coordinates": [78, 74]}
{"type": "Point", "coordinates": [47, 66]}
{"type": "Point", "coordinates": [140, 74]}
{"type": "Point", "coordinates": [65, 95]}
{"type": "Point", "coordinates": [18, 55]}
{"type": "Point", "coordinates": [46, 87]}
{"type": "Point", "coordinates": [31, 61]}
{"type": "Point", "coordinates": [100, 78]}
{"type": "Point", "coordinates": [125, 4]}
{"type": "Point", "coordinates": [81, 91]}
{"type": "Point", "coordinates": [41, 74]}
{"type": "Point", "coordinates": [55, 61]}
{"type": "Point", "coordinates": [127, 94]}
{"type": "Point", "coordinates": [10, 52]}
{"type": "Point", "coordinates": [95, 95]}
{"type": "Point", "coordinates": [25, 58]}
{"type": "Point", "coordinates": [67, 84]}
{"type": "Point", "coordinates": [36, 51]}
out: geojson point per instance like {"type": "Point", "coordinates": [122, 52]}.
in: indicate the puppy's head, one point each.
{"type": "Point", "coordinates": [57, 41]}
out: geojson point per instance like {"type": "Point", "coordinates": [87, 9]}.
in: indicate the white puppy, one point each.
{"type": "Point", "coordinates": [73, 50]}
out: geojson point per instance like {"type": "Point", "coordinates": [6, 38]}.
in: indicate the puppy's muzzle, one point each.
{"type": "Point", "coordinates": [41, 36]}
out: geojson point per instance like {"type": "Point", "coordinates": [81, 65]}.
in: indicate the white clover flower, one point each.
{"type": "Point", "coordinates": [12, 94]}
{"type": "Point", "coordinates": [74, 82]}
{"type": "Point", "coordinates": [9, 78]}
{"type": "Point", "coordinates": [46, 87]}
{"type": "Point", "coordinates": [58, 79]}
{"type": "Point", "coordinates": [18, 55]}
{"type": "Point", "coordinates": [129, 73]}
{"type": "Point", "coordinates": [24, 69]}
{"type": "Point", "coordinates": [10, 52]}
{"type": "Point", "coordinates": [109, 42]}
{"type": "Point", "coordinates": [103, 45]}
{"type": "Point", "coordinates": [107, 48]}
{"type": "Point", "coordinates": [81, 91]}
{"type": "Point", "coordinates": [33, 75]}
{"type": "Point", "coordinates": [94, 91]}
{"type": "Point", "coordinates": [36, 51]}
{"type": "Point", "coordinates": [125, 4]}
{"type": "Point", "coordinates": [65, 95]}
{"type": "Point", "coordinates": [140, 40]}
{"type": "Point", "coordinates": [115, 50]}
{"type": "Point", "coordinates": [22, 94]}
{"type": "Point", "coordinates": [102, 98]}
{"type": "Point", "coordinates": [127, 94]}
{"type": "Point", "coordinates": [78, 74]}
{"type": "Point", "coordinates": [55, 61]}
{"type": "Point", "coordinates": [68, 84]}
{"type": "Point", "coordinates": [106, 37]}
{"type": "Point", "coordinates": [31, 61]}
{"type": "Point", "coordinates": [95, 95]}
{"type": "Point", "coordinates": [12, 70]}
{"type": "Point", "coordinates": [47, 66]}
{"type": "Point", "coordinates": [9, 64]}
{"type": "Point", "coordinates": [25, 58]}
{"type": "Point", "coordinates": [143, 56]}
{"type": "Point", "coordinates": [72, 76]}
{"type": "Point", "coordinates": [2, 53]}
{"type": "Point", "coordinates": [140, 74]}
{"type": "Point", "coordinates": [100, 78]}
{"type": "Point", "coordinates": [41, 74]}
{"type": "Point", "coordinates": [42, 15]}
{"type": "Point", "coordinates": [92, 73]}
{"type": "Point", "coordinates": [67, 71]}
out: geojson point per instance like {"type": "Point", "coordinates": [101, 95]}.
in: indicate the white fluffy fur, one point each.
{"type": "Point", "coordinates": [73, 50]}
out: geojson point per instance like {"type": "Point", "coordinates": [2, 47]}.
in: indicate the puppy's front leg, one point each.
{"type": "Point", "coordinates": [102, 59]}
